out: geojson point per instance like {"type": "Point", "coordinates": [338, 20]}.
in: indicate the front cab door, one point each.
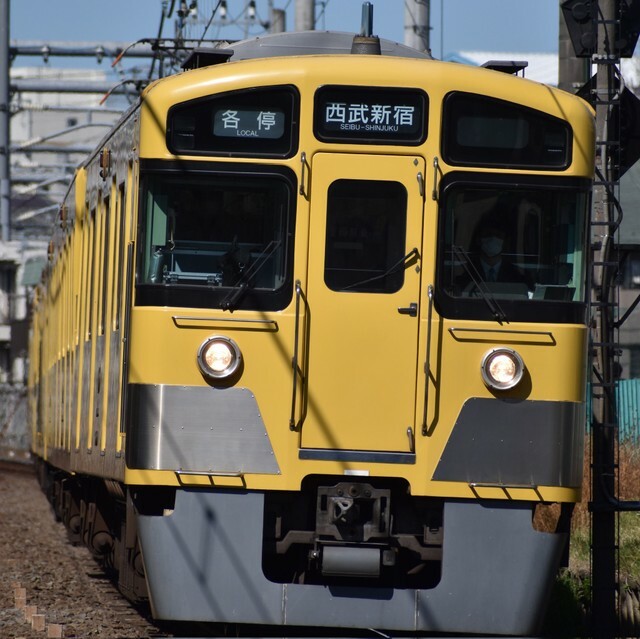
{"type": "Point", "coordinates": [365, 257]}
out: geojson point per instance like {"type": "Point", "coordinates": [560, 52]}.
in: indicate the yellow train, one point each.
{"type": "Point", "coordinates": [311, 346]}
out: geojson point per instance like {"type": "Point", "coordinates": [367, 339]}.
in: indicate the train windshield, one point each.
{"type": "Point", "coordinates": [514, 252]}
{"type": "Point", "coordinates": [216, 239]}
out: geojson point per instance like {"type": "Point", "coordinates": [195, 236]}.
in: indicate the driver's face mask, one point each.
{"type": "Point", "coordinates": [491, 246]}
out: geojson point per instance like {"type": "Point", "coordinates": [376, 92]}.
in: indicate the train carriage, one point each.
{"type": "Point", "coordinates": [271, 380]}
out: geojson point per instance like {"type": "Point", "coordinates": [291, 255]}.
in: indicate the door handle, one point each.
{"type": "Point", "coordinates": [411, 310]}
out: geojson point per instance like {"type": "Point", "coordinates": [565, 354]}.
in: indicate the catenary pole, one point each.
{"type": "Point", "coordinates": [305, 15]}
{"type": "Point", "coordinates": [603, 525]}
{"type": "Point", "coordinates": [416, 24]}
{"type": "Point", "coordinates": [278, 21]}
{"type": "Point", "coordinates": [5, 176]}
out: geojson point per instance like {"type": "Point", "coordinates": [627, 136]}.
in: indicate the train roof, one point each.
{"type": "Point", "coordinates": [298, 43]}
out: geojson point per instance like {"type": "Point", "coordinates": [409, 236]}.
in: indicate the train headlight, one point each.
{"type": "Point", "coordinates": [502, 368]}
{"type": "Point", "coordinates": [219, 357]}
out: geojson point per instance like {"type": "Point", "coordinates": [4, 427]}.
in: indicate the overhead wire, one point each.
{"type": "Point", "coordinates": [213, 13]}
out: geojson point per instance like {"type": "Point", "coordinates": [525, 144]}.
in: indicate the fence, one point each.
{"type": "Point", "coordinates": [628, 402]}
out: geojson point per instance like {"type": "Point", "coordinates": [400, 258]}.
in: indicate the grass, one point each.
{"type": "Point", "coordinates": [628, 522]}
{"type": "Point", "coordinates": [569, 612]}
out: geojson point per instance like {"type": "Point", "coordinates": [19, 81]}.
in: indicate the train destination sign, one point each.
{"type": "Point", "coordinates": [370, 114]}
{"type": "Point", "coordinates": [256, 122]}
{"type": "Point", "coordinates": [233, 122]}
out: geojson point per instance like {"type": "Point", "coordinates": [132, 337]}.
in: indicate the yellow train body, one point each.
{"type": "Point", "coordinates": [337, 381]}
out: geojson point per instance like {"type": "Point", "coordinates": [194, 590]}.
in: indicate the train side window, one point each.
{"type": "Point", "coordinates": [484, 131]}
{"type": "Point", "coordinates": [106, 249]}
{"type": "Point", "coordinates": [93, 251]}
{"type": "Point", "coordinates": [366, 228]}
{"type": "Point", "coordinates": [118, 255]}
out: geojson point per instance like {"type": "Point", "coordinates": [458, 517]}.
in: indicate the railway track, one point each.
{"type": "Point", "coordinates": [49, 587]}
{"type": "Point", "coordinates": [53, 589]}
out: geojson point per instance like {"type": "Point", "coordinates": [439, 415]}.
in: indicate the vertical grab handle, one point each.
{"type": "Point", "coordinates": [294, 362]}
{"type": "Point", "coordinates": [420, 179]}
{"type": "Point", "coordinates": [303, 177]}
{"type": "Point", "coordinates": [436, 169]}
{"type": "Point", "coordinates": [427, 364]}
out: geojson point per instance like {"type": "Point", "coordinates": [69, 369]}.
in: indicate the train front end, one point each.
{"type": "Point", "coordinates": [335, 417]}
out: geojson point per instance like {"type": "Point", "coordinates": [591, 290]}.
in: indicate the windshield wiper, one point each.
{"type": "Point", "coordinates": [479, 283]}
{"type": "Point", "coordinates": [230, 301]}
{"type": "Point", "coordinates": [400, 265]}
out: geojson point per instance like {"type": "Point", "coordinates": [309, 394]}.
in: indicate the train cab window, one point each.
{"type": "Point", "coordinates": [221, 240]}
{"type": "Point", "coordinates": [513, 252]}
{"type": "Point", "coordinates": [484, 131]}
{"type": "Point", "coordinates": [365, 241]}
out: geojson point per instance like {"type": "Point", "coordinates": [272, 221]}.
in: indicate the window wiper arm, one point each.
{"type": "Point", "coordinates": [245, 281]}
{"type": "Point", "coordinates": [400, 265]}
{"type": "Point", "coordinates": [479, 283]}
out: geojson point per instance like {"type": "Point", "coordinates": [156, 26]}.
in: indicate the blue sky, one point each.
{"type": "Point", "coordinates": [487, 25]}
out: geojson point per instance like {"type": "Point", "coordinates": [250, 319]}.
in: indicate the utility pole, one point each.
{"type": "Point", "coordinates": [305, 15]}
{"type": "Point", "coordinates": [5, 176]}
{"type": "Point", "coordinates": [416, 24]}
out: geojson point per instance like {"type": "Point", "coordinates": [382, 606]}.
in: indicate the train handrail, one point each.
{"type": "Point", "coordinates": [427, 364]}
{"type": "Point", "coordinates": [268, 324]}
{"type": "Point", "coordinates": [303, 161]}
{"type": "Point", "coordinates": [508, 332]}
{"type": "Point", "coordinates": [294, 362]}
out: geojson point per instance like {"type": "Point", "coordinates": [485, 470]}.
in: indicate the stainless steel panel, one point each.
{"type": "Point", "coordinates": [197, 428]}
{"type": "Point", "coordinates": [537, 443]}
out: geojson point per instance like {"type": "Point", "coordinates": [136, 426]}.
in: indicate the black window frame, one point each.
{"type": "Point", "coordinates": [287, 96]}
{"type": "Point", "coordinates": [453, 156]}
{"type": "Point", "coordinates": [515, 310]}
{"type": "Point", "coordinates": [391, 277]}
{"type": "Point", "coordinates": [198, 296]}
